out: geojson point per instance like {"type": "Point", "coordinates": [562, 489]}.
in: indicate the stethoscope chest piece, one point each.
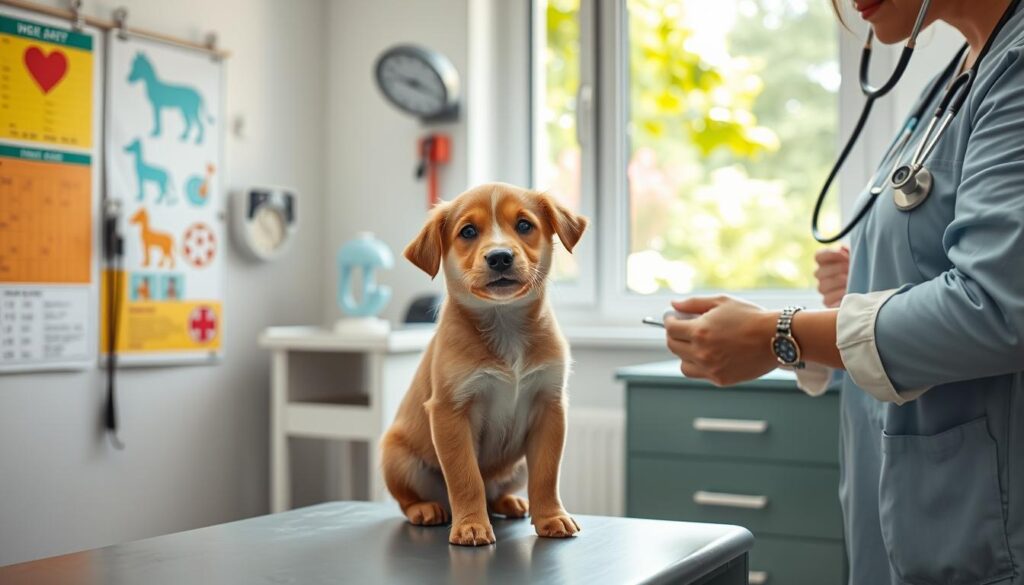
{"type": "Point", "coordinates": [910, 187]}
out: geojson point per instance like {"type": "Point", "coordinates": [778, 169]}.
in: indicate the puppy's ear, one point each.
{"type": "Point", "coordinates": [426, 250]}
{"type": "Point", "coordinates": [568, 225]}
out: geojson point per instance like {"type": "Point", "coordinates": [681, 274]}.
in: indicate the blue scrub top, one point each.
{"type": "Point", "coordinates": [933, 490]}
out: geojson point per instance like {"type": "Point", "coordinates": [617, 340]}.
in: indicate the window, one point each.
{"type": "Point", "coordinates": [729, 121]}
{"type": "Point", "coordinates": [557, 160]}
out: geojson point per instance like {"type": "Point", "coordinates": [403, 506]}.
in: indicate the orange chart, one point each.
{"type": "Point", "coordinates": [46, 216]}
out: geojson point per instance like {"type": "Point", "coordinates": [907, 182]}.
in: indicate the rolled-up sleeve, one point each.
{"type": "Point", "coordinates": [856, 339]}
{"type": "Point", "coordinates": [967, 322]}
{"type": "Point", "coordinates": [814, 379]}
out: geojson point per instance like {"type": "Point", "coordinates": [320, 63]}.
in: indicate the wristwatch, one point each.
{"type": "Point", "coordinates": [784, 346]}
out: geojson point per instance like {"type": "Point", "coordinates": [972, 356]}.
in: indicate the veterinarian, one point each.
{"type": "Point", "coordinates": [929, 334]}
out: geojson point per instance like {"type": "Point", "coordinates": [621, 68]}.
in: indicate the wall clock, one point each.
{"type": "Point", "coordinates": [420, 82]}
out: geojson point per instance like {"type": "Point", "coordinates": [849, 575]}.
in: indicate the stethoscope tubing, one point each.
{"type": "Point", "coordinates": [954, 98]}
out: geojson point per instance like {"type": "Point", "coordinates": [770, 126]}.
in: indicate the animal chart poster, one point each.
{"type": "Point", "coordinates": [163, 150]}
{"type": "Point", "coordinates": [49, 100]}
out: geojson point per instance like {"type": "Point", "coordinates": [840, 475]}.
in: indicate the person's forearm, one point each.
{"type": "Point", "coordinates": [815, 332]}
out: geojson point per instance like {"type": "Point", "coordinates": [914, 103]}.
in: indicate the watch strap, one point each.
{"type": "Point", "coordinates": [784, 328]}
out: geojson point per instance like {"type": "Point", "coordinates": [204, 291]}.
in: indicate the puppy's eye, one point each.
{"type": "Point", "coordinates": [524, 226]}
{"type": "Point", "coordinates": [468, 233]}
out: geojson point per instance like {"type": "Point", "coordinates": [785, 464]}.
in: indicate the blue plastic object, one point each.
{"type": "Point", "coordinates": [369, 254]}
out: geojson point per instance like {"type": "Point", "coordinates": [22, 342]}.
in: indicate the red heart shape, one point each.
{"type": "Point", "coordinates": [47, 70]}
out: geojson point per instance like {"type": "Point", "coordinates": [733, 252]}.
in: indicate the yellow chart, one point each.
{"type": "Point", "coordinates": [160, 327]}
{"type": "Point", "coordinates": [46, 84]}
{"type": "Point", "coordinates": [48, 99]}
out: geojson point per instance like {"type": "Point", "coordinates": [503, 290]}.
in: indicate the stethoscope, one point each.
{"type": "Point", "coordinates": [911, 182]}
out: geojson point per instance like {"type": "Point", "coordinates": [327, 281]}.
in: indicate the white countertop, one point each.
{"type": "Point", "coordinates": [311, 338]}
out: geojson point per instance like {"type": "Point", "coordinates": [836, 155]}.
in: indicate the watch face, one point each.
{"type": "Point", "coordinates": [785, 350]}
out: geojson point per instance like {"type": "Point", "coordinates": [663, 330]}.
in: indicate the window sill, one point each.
{"type": "Point", "coordinates": [614, 337]}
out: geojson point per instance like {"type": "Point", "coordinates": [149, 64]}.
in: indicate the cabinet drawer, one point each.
{"type": "Point", "coordinates": [734, 422]}
{"type": "Point", "coordinates": [762, 497]}
{"type": "Point", "coordinates": [783, 561]}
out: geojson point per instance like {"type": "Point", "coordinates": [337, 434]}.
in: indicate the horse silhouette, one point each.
{"type": "Point", "coordinates": [147, 173]}
{"type": "Point", "coordinates": [151, 238]}
{"type": "Point", "coordinates": [165, 95]}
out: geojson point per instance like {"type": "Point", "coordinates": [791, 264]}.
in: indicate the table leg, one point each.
{"type": "Point", "coordinates": [280, 474]}
{"type": "Point", "coordinates": [374, 376]}
{"type": "Point", "coordinates": [378, 493]}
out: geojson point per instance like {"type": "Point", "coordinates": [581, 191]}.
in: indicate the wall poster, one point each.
{"type": "Point", "coordinates": [163, 162]}
{"type": "Point", "coordinates": [50, 100]}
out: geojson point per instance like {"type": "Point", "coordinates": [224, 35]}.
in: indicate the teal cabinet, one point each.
{"type": "Point", "coordinates": [762, 455]}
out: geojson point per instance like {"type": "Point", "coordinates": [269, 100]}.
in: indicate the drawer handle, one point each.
{"type": "Point", "coordinates": [757, 577]}
{"type": "Point", "coordinates": [730, 425]}
{"type": "Point", "coordinates": [704, 498]}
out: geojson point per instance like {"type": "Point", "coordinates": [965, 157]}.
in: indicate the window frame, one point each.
{"type": "Point", "coordinates": [604, 184]}
{"type": "Point", "coordinates": [584, 291]}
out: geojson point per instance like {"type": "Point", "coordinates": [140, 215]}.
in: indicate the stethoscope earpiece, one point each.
{"type": "Point", "coordinates": [910, 186]}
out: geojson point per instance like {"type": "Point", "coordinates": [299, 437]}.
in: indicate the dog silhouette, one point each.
{"type": "Point", "coordinates": [147, 173]}
{"type": "Point", "coordinates": [165, 95]}
{"type": "Point", "coordinates": [153, 239]}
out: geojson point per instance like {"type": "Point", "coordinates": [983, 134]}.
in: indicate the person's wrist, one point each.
{"type": "Point", "coordinates": [768, 326]}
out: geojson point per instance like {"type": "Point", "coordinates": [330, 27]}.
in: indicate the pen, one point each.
{"type": "Point", "coordinates": [670, 313]}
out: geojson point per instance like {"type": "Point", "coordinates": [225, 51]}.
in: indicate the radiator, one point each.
{"type": "Point", "coordinates": [593, 466]}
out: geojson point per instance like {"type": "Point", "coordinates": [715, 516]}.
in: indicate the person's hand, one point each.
{"type": "Point", "coordinates": [729, 343]}
{"type": "Point", "coordinates": [832, 272]}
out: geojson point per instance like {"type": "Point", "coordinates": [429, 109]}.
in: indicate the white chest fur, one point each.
{"type": "Point", "coordinates": [503, 408]}
{"type": "Point", "coordinates": [503, 397]}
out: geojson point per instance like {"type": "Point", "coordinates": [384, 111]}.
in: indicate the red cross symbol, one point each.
{"type": "Point", "coordinates": [202, 324]}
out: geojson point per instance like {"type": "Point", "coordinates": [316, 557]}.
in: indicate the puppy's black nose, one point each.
{"type": "Point", "coordinates": [499, 259]}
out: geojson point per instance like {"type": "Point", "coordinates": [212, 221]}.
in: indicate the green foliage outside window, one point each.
{"type": "Point", "coordinates": [730, 137]}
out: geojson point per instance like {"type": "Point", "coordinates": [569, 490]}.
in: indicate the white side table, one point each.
{"type": "Point", "coordinates": [329, 386]}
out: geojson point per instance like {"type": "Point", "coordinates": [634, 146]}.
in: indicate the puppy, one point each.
{"type": "Point", "coordinates": [485, 414]}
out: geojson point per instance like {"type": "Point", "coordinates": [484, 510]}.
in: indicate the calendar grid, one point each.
{"type": "Point", "coordinates": [45, 219]}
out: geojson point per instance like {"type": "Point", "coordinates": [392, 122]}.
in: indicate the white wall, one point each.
{"type": "Point", "coordinates": [371, 148]}
{"type": "Point", "coordinates": [196, 436]}
{"type": "Point", "coordinates": [593, 383]}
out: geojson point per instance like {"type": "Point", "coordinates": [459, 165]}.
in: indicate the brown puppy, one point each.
{"type": "Point", "coordinates": [486, 409]}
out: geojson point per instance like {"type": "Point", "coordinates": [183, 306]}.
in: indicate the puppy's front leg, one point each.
{"type": "Point", "coordinates": [453, 439]}
{"type": "Point", "coordinates": [544, 446]}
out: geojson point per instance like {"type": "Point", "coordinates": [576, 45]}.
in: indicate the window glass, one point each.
{"type": "Point", "coordinates": [732, 127]}
{"type": "Point", "coordinates": [556, 158]}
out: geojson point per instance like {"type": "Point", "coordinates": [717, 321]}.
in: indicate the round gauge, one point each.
{"type": "Point", "coordinates": [264, 221]}
{"type": "Point", "coordinates": [268, 230]}
{"type": "Point", "coordinates": [420, 82]}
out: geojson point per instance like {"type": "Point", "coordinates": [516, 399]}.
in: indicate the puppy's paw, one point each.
{"type": "Point", "coordinates": [511, 506]}
{"type": "Point", "coordinates": [471, 533]}
{"type": "Point", "coordinates": [426, 514]}
{"type": "Point", "coordinates": [559, 525]}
